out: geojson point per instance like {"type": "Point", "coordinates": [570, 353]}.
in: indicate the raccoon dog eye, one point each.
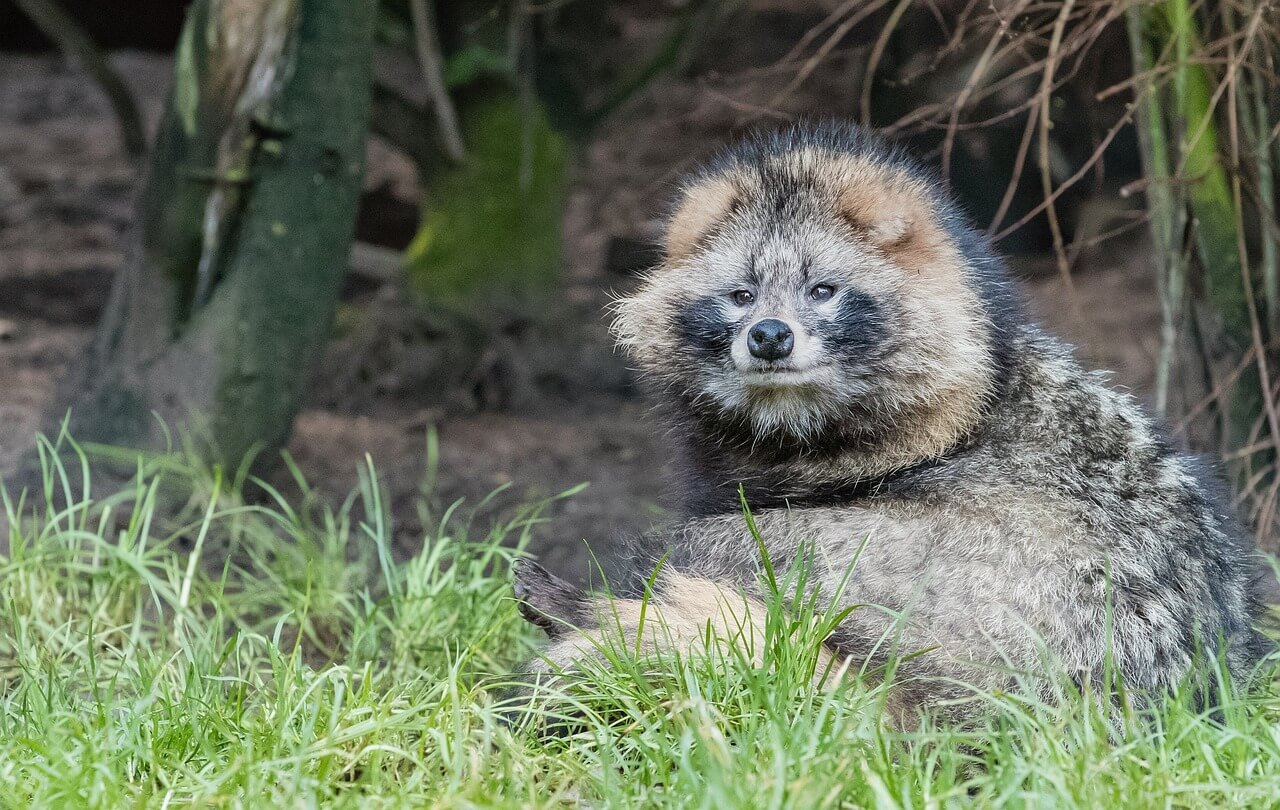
{"type": "Point", "coordinates": [822, 292]}
{"type": "Point", "coordinates": [742, 297]}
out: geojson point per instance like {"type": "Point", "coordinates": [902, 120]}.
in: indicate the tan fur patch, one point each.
{"type": "Point", "coordinates": [888, 208]}
{"type": "Point", "coordinates": [676, 620]}
{"type": "Point", "coordinates": [883, 215]}
{"type": "Point", "coordinates": [703, 207]}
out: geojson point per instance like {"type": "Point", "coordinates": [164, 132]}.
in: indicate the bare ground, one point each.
{"type": "Point", "coordinates": [535, 402]}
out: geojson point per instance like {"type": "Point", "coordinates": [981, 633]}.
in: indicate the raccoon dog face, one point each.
{"type": "Point", "coordinates": [812, 281]}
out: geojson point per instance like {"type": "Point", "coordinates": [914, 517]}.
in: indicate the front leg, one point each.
{"type": "Point", "coordinates": [939, 604]}
{"type": "Point", "coordinates": [931, 609]}
{"type": "Point", "coordinates": [681, 614]}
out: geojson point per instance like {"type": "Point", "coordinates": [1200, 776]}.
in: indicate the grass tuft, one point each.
{"type": "Point", "coordinates": [242, 654]}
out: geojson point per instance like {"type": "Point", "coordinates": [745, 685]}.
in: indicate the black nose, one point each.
{"type": "Point", "coordinates": [770, 339]}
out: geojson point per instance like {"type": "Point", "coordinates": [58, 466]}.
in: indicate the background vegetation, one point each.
{"type": "Point", "coordinates": [1076, 108]}
{"type": "Point", "coordinates": [209, 627]}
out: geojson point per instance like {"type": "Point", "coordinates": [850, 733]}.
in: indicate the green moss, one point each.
{"type": "Point", "coordinates": [494, 222]}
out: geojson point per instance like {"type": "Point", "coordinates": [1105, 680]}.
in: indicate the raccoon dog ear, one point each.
{"type": "Point", "coordinates": [883, 212]}
{"type": "Point", "coordinates": [703, 207]}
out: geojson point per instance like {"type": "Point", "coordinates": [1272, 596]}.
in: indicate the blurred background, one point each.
{"type": "Point", "coordinates": [392, 228]}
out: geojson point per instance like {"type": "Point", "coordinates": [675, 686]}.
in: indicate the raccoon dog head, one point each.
{"type": "Point", "coordinates": [819, 278]}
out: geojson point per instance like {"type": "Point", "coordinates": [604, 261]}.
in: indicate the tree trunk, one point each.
{"type": "Point", "coordinates": [243, 229]}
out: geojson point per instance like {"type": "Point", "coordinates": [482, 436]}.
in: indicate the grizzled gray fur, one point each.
{"type": "Point", "coordinates": [830, 334]}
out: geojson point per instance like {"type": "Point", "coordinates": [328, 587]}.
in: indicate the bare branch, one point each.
{"type": "Point", "coordinates": [431, 59]}
{"type": "Point", "coordinates": [75, 42]}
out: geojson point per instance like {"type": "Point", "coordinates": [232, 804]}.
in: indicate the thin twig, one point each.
{"type": "Point", "coordinates": [877, 52]}
{"type": "Point", "coordinates": [1046, 170]}
{"type": "Point", "coordinates": [825, 50]}
{"type": "Point", "coordinates": [74, 41]}
{"type": "Point", "coordinates": [975, 78]}
{"type": "Point", "coordinates": [431, 59]}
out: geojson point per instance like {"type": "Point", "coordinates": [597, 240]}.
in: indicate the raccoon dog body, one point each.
{"type": "Point", "coordinates": [829, 333]}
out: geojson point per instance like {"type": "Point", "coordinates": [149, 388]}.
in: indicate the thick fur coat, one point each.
{"type": "Point", "coordinates": [1008, 511]}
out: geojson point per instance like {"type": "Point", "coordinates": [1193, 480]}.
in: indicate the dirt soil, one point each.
{"type": "Point", "coordinates": [533, 398]}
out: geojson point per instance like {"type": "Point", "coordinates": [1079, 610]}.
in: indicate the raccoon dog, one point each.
{"type": "Point", "coordinates": [829, 333]}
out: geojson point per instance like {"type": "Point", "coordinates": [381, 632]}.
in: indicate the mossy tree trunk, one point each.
{"type": "Point", "coordinates": [1189, 192]}
{"type": "Point", "coordinates": [244, 225]}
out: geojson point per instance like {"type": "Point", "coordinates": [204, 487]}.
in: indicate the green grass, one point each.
{"type": "Point", "coordinates": [139, 668]}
